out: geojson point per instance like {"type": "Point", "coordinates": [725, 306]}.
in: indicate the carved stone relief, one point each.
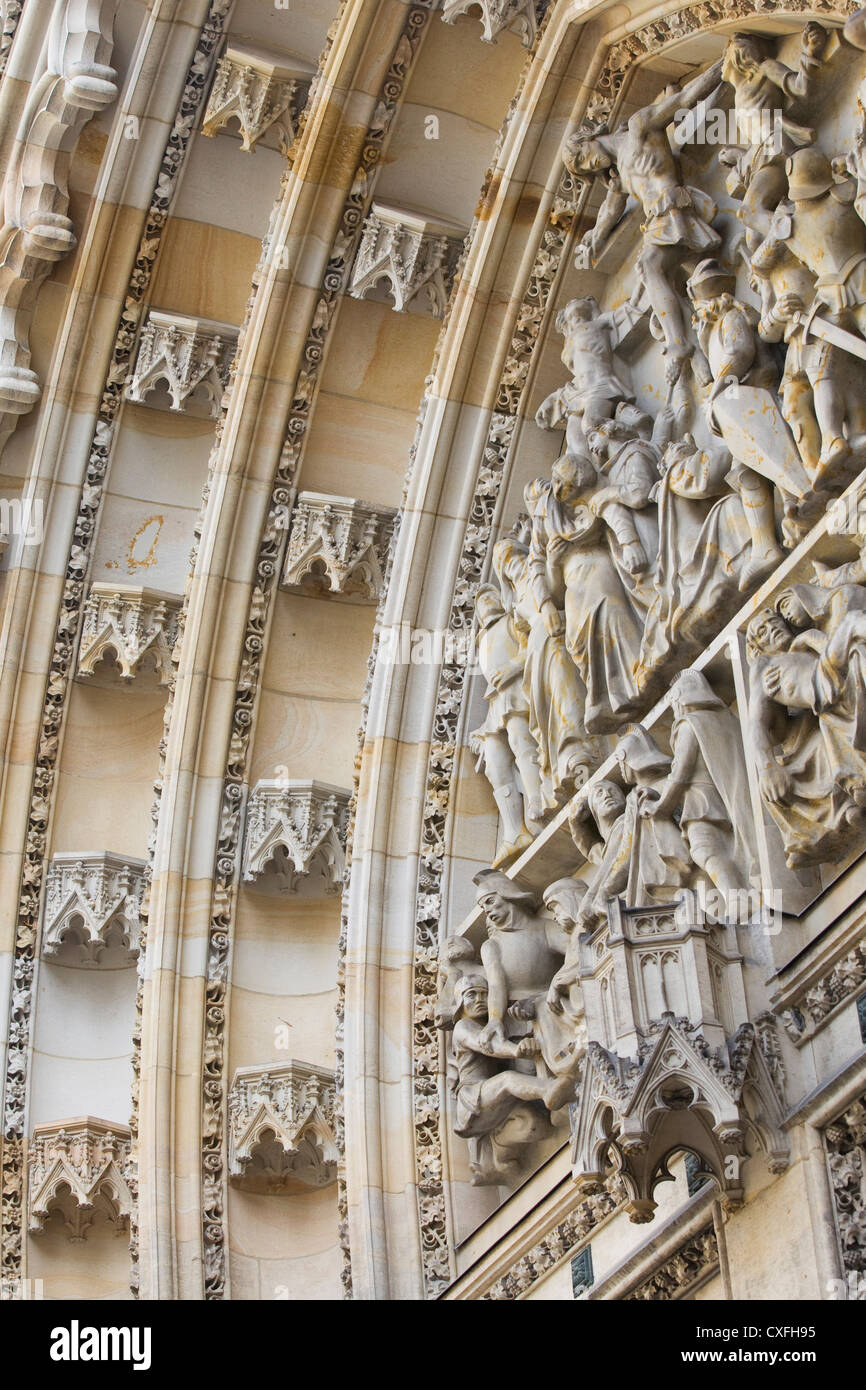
{"type": "Point", "coordinates": [678, 1276]}
{"type": "Point", "coordinates": [655, 527]}
{"type": "Point", "coordinates": [74, 593]}
{"type": "Point", "coordinates": [845, 1139]}
{"type": "Point", "coordinates": [269, 566]}
{"type": "Point", "coordinates": [92, 909]}
{"type": "Point", "coordinates": [74, 82]}
{"type": "Point", "coordinates": [496, 16]}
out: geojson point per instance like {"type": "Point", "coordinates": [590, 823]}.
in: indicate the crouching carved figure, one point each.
{"type": "Point", "coordinates": [515, 1056]}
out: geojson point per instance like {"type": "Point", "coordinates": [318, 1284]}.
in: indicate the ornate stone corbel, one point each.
{"type": "Point", "coordinates": [338, 545]}
{"type": "Point", "coordinates": [71, 83]}
{"type": "Point", "coordinates": [134, 623]}
{"type": "Point", "coordinates": [676, 1094]}
{"type": "Point", "coordinates": [82, 1168]}
{"type": "Point", "coordinates": [281, 1127]}
{"type": "Point", "coordinates": [258, 91]}
{"type": "Point", "coordinates": [412, 253]}
{"type": "Point", "coordinates": [299, 825]}
{"type": "Point", "coordinates": [497, 15]}
{"type": "Point", "coordinates": [92, 907]}
{"type": "Point", "coordinates": [190, 356]}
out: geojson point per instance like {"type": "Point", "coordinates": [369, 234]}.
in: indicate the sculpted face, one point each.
{"type": "Point", "coordinates": [792, 610]}
{"type": "Point", "coordinates": [590, 156]}
{"type": "Point", "coordinates": [475, 1001]}
{"type": "Point", "coordinates": [566, 480]}
{"type": "Point", "coordinates": [768, 632]}
{"type": "Point", "coordinates": [582, 309]}
{"type": "Point", "coordinates": [606, 801]}
{"type": "Point", "coordinates": [496, 909]}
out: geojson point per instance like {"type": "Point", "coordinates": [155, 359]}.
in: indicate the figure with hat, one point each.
{"type": "Point", "coordinates": [742, 410]}
{"type": "Point", "coordinates": [676, 218]}
{"type": "Point", "coordinates": [707, 784]}
{"type": "Point", "coordinates": [523, 950]}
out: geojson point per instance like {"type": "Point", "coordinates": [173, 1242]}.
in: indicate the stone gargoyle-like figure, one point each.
{"type": "Point", "coordinates": [708, 785]}
{"type": "Point", "coordinates": [743, 411]}
{"type": "Point", "coordinates": [807, 715]}
{"type": "Point", "coordinates": [523, 950]}
{"type": "Point", "coordinates": [504, 742]}
{"type": "Point", "coordinates": [676, 219]}
{"type": "Point", "coordinates": [494, 1104]}
{"type": "Point", "coordinates": [597, 382]}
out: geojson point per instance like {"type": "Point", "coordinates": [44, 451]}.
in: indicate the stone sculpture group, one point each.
{"type": "Point", "coordinates": [652, 531]}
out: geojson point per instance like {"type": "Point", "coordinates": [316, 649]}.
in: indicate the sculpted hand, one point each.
{"type": "Point", "coordinates": [775, 783]}
{"type": "Point", "coordinates": [787, 306]}
{"type": "Point", "coordinates": [528, 1047]}
{"type": "Point", "coordinates": [634, 557]}
{"type": "Point", "coordinates": [554, 997]}
{"type": "Point", "coordinates": [554, 621]}
{"type": "Point", "coordinates": [492, 1036]}
{"type": "Point", "coordinates": [648, 801]}
{"type": "Point", "coordinates": [823, 574]}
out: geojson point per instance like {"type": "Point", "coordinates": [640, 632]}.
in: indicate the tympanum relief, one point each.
{"type": "Point", "coordinates": [711, 413]}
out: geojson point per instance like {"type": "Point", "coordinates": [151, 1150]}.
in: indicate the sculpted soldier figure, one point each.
{"type": "Point", "coordinates": [820, 226]}
{"type": "Point", "coordinates": [676, 218]}
{"type": "Point", "coordinates": [742, 410]}
{"type": "Point", "coordinates": [503, 741]}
